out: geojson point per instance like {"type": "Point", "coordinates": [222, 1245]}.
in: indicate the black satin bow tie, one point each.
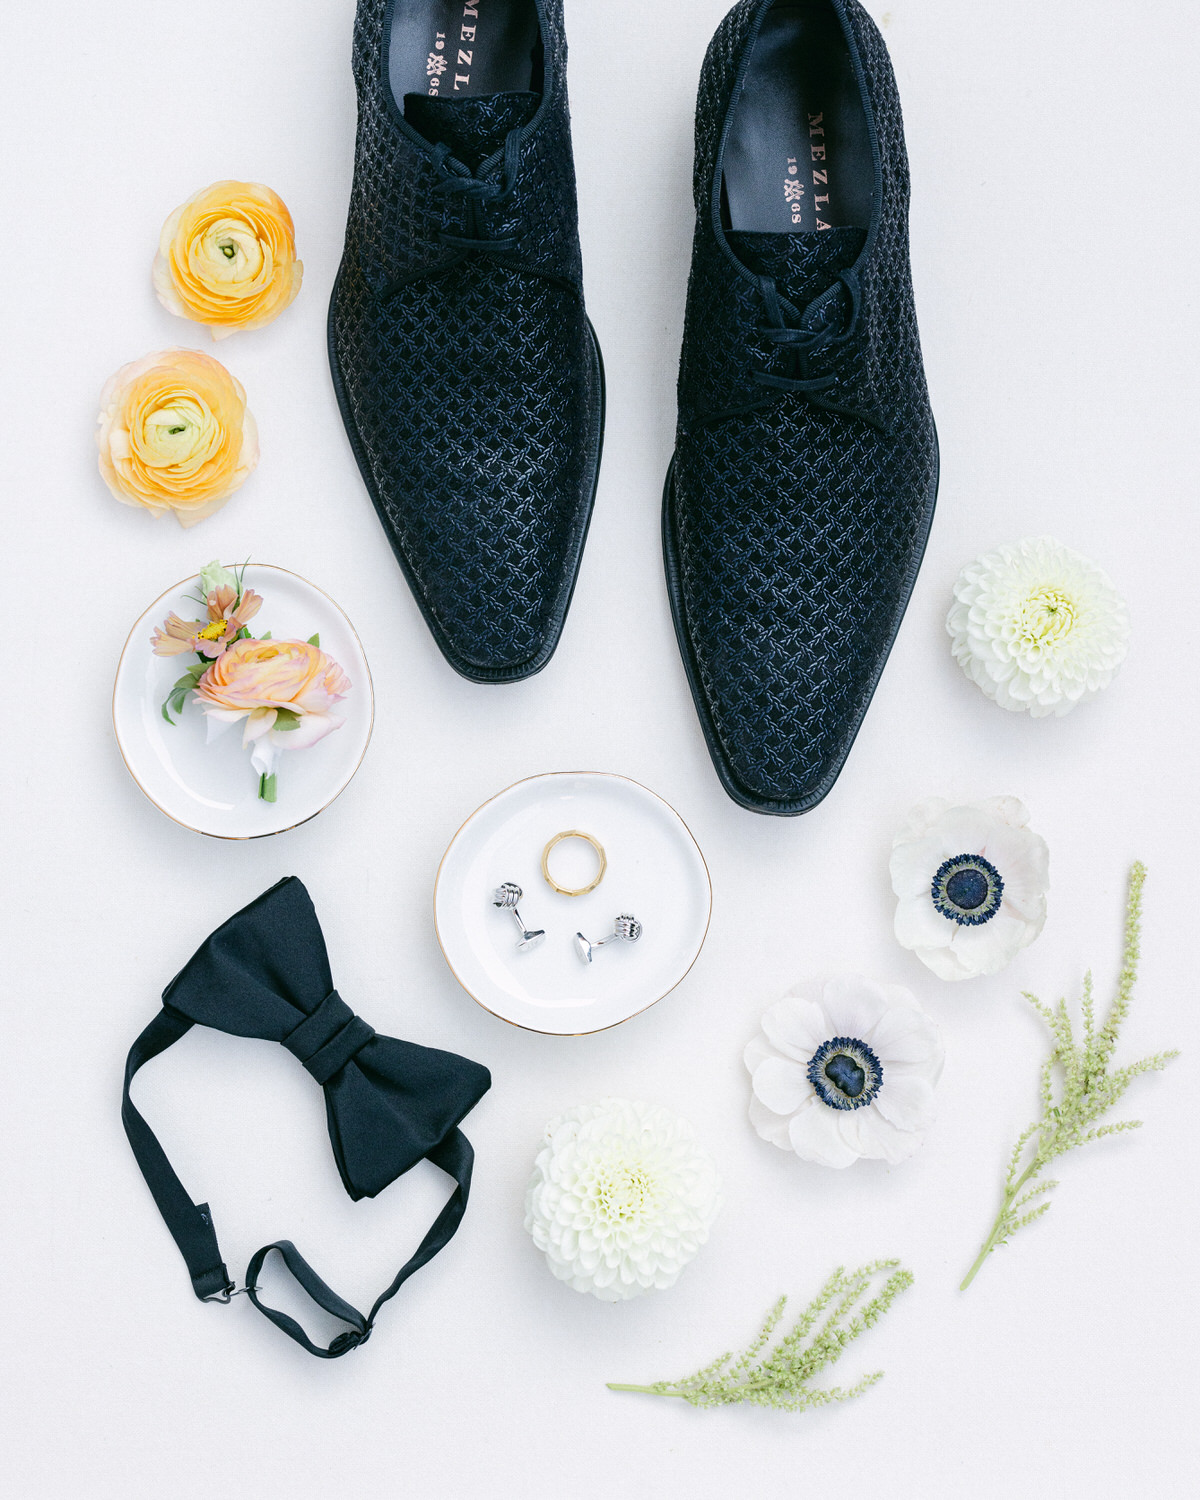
{"type": "Point", "coordinates": [389, 1104]}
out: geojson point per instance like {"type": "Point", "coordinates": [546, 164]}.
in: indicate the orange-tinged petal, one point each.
{"type": "Point", "coordinates": [174, 434]}
{"type": "Point", "coordinates": [227, 257]}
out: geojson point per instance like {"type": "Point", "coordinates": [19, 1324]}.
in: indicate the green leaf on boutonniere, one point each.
{"type": "Point", "coordinates": [266, 635]}
{"type": "Point", "coordinates": [175, 698]}
{"type": "Point", "coordinates": [285, 719]}
{"type": "Point", "coordinates": [315, 640]}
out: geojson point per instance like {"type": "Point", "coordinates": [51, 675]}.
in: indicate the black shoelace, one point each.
{"type": "Point", "coordinates": [454, 179]}
{"type": "Point", "coordinates": [816, 330]}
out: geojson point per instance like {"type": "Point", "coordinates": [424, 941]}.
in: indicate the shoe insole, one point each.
{"type": "Point", "coordinates": [451, 49]}
{"type": "Point", "coordinates": [798, 152]}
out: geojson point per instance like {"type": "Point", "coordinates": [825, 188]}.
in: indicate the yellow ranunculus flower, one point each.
{"type": "Point", "coordinates": [227, 258]}
{"type": "Point", "coordinates": [174, 434]}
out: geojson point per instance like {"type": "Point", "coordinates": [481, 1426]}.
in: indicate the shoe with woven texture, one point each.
{"type": "Point", "coordinates": [805, 471]}
{"type": "Point", "coordinates": [465, 367]}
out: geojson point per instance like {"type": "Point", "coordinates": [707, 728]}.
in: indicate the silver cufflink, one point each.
{"type": "Point", "coordinates": [506, 897]}
{"type": "Point", "coordinates": [626, 929]}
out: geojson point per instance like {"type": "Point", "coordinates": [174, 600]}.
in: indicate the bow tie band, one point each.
{"type": "Point", "coordinates": [389, 1104]}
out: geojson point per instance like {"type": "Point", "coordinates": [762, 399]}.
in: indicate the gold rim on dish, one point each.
{"type": "Point", "coordinates": [595, 1030]}
{"type": "Point", "coordinates": [243, 838]}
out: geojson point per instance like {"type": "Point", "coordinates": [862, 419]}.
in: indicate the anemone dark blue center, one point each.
{"type": "Point", "coordinates": [968, 890]}
{"type": "Point", "coordinates": [845, 1073]}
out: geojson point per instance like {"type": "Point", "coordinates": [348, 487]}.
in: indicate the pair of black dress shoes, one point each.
{"type": "Point", "coordinates": [469, 377]}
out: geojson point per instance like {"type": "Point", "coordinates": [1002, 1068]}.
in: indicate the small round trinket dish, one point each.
{"type": "Point", "coordinates": [653, 868]}
{"type": "Point", "coordinates": [210, 784]}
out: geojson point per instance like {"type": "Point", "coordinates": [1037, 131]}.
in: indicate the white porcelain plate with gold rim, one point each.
{"type": "Point", "coordinates": [213, 788]}
{"type": "Point", "coordinates": [655, 872]}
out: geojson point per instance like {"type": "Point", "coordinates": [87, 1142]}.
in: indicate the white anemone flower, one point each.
{"type": "Point", "coordinates": [971, 883]}
{"type": "Point", "coordinates": [1038, 627]}
{"type": "Point", "coordinates": [621, 1199]}
{"type": "Point", "coordinates": [845, 1070]}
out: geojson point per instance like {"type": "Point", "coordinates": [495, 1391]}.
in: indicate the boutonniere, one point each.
{"type": "Point", "coordinates": [285, 693]}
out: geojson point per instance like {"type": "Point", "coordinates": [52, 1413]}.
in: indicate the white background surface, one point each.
{"type": "Point", "coordinates": [1053, 152]}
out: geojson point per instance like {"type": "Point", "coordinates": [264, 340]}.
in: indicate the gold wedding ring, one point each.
{"type": "Point", "coordinates": [573, 833]}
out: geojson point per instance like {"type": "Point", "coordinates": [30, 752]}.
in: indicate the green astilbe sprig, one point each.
{"type": "Point", "coordinates": [783, 1377]}
{"type": "Point", "coordinates": [1087, 1090]}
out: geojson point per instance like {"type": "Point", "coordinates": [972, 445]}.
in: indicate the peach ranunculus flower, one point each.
{"type": "Point", "coordinates": [175, 434]}
{"type": "Point", "coordinates": [287, 691]}
{"type": "Point", "coordinates": [227, 258]}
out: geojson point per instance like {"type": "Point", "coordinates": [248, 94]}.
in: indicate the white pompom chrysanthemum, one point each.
{"type": "Point", "coordinates": [622, 1197]}
{"type": "Point", "coordinates": [1038, 627]}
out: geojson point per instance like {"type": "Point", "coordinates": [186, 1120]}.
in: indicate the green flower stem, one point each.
{"type": "Point", "coordinates": [645, 1390]}
{"type": "Point", "coordinates": [653, 1390]}
{"type": "Point", "coordinates": [989, 1244]}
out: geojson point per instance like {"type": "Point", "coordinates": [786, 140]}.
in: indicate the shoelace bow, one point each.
{"type": "Point", "coordinates": [454, 179]}
{"type": "Point", "coordinates": [817, 331]}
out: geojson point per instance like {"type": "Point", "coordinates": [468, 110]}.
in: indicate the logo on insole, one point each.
{"type": "Point", "coordinates": [443, 57]}
{"type": "Point", "coordinates": [820, 166]}
{"type": "Point", "coordinates": [436, 64]}
{"type": "Point", "coordinates": [793, 191]}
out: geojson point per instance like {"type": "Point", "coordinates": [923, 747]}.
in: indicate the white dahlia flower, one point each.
{"type": "Point", "coordinates": [1038, 627]}
{"type": "Point", "coordinates": [971, 883]}
{"type": "Point", "coordinates": [845, 1070]}
{"type": "Point", "coordinates": [622, 1197]}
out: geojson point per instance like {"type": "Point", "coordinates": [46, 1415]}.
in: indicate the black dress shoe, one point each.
{"type": "Point", "coordinates": [467, 372]}
{"type": "Point", "coordinates": [805, 470]}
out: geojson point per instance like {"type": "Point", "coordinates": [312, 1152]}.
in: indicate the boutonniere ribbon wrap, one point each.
{"type": "Point", "coordinates": [389, 1104]}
